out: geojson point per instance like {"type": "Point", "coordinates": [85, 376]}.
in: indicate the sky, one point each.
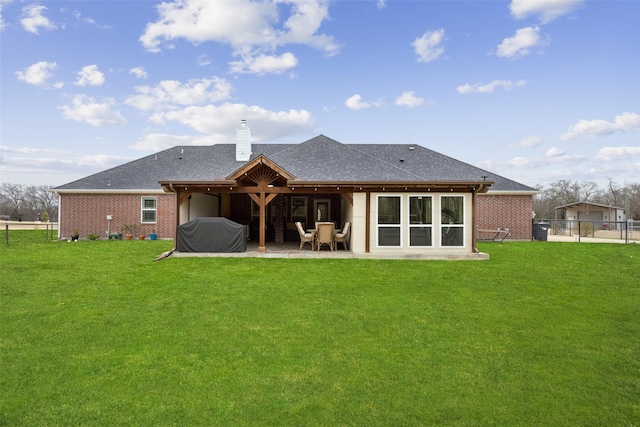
{"type": "Point", "coordinates": [536, 91]}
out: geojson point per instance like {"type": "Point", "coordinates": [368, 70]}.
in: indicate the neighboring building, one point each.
{"type": "Point", "coordinates": [586, 211]}
{"type": "Point", "coordinates": [400, 198]}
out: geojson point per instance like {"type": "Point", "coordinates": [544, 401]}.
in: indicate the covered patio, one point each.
{"type": "Point", "coordinates": [269, 200]}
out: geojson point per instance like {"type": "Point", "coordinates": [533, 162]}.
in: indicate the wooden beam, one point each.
{"type": "Point", "coordinates": [262, 244]}
{"type": "Point", "coordinates": [255, 198]}
{"type": "Point", "coordinates": [348, 198]}
{"type": "Point", "coordinates": [270, 198]}
{"type": "Point", "coordinates": [183, 197]}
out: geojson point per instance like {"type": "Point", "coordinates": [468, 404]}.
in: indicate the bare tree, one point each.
{"type": "Point", "coordinates": [27, 202]}
{"type": "Point", "coordinates": [13, 196]}
{"type": "Point", "coordinates": [543, 204]}
{"type": "Point", "coordinates": [47, 201]}
{"type": "Point", "coordinates": [587, 191]}
{"type": "Point", "coordinates": [632, 201]}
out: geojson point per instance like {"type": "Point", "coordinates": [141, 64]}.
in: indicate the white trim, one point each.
{"type": "Point", "coordinates": [509, 193]}
{"type": "Point", "coordinates": [410, 226]}
{"type": "Point", "coordinates": [398, 226]}
{"type": "Point", "coordinates": [143, 209]}
{"type": "Point", "coordinates": [93, 191]}
{"type": "Point", "coordinates": [462, 226]}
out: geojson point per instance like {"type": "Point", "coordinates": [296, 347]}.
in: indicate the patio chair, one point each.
{"type": "Point", "coordinates": [305, 237]}
{"type": "Point", "coordinates": [341, 236]}
{"type": "Point", "coordinates": [324, 235]}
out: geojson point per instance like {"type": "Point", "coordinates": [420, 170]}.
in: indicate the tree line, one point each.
{"type": "Point", "coordinates": [20, 202]}
{"type": "Point", "coordinates": [566, 192]}
{"type": "Point", "coordinates": [33, 202]}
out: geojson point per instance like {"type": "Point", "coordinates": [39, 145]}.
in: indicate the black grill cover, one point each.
{"type": "Point", "coordinates": [215, 234]}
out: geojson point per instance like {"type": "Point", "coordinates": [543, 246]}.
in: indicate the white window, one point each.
{"type": "Point", "coordinates": [452, 221]}
{"type": "Point", "coordinates": [389, 221]}
{"type": "Point", "coordinates": [148, 211]}
{"type": "Point", "coordinates": [420, 221]}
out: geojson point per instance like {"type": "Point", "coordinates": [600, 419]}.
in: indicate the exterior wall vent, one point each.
{"type": "Point", "coordinates": [243, 142]}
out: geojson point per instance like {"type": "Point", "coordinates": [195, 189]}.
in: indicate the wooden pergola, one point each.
{"type": "Point", "coordinates": [263, 180]}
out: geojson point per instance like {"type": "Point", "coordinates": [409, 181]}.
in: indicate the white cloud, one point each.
{"type": "Point", "coordinates": [263, 64]}
{"type": "Point", "coordinates": [86, 109]}
{"type": "Point", "coordinates": [613, 153]}
{"type": "Point", "coordinates": [408, 99]}
{"type": "Point", "coordinates": [27, 150]}
{"type": "Point", "coordinates": [33, 19]}
{"type": "Point", "coordinates": [548, 10]}
{"type": "Point", "coordinates": [521, 43]}
{"type": "Point", "coordinates": [2, 3]}
{"type": "Point", "coordinates": [530, 141]}
{"type": "Point", "coordinates": [305, 20]}
{"type": "Point", "coordinates": [251, 28]}
{"type": "Point", "coordinates": [428, 46]}
{"type": "Point", "coordinates": [355, 102]}
{"type": "Point", "coordinates": [38, 73]}
{"type": "Point", "coordinates": [81, 18]}
{"type": "Point", "coordinates": [381, 4]}
{"type": "Point", "coordinates": [139, 72]}
{"type": "Point", "coordinates": [552, 156]}
{"type": "Point", "coordinates": [489, 87]}
{"type": "Point", "coordinates": [161, 141]}
{"type": "Point", "coordinates": [554, 152]}
{"type": "Point", "coordinates": [172, 93]}
{"type": "Point", "coordinates": [520, 162]}
{"type": "Point", "coordinates": [624, 122]}
{"type": "Point", "coordinates": [90, 75]}
{"type": "Point", "coordinates": [203, 60]}
{"type": "Point", "coordinates": [223, 119]}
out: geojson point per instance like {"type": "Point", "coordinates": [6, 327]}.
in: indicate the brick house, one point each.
{"type": "Point", "coordinates": [399, 198]}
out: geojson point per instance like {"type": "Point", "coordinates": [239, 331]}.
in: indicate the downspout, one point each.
{"type": "Point", "coordinates": [59, 212]}
{"type": "Point", "coordinates": [473, 221]}
{"type": "Point", "coordinates": [177, 216]}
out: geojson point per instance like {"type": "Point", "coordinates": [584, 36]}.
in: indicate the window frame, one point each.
{"type": "Point", "coordinates": [144, 209]}
{"type": "Point", "coordinates": [462, 225]}
{"type": "Point", "coordinates": [399, 225]}
{"type": "Point", "coordinates": [420, 225]}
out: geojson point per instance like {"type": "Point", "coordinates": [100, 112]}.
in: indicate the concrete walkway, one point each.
{"type": "Point", "coordinates": [291, 250]}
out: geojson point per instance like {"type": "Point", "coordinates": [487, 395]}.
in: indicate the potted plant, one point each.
{"type": "Point", "coordinates": [127, 230]}
{"type": "Point", "coordinates": [75, 235]}
{"type": "Point", "coordinates": [140, 231]}
{"type": "Point", "coordinates": [153, 235]}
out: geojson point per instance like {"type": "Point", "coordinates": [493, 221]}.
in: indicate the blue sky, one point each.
{"type": "Point", "coordinates": [536, 91]}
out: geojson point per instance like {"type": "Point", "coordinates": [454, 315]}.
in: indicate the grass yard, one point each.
{"type": "Point", "coordinates": [96, 334]}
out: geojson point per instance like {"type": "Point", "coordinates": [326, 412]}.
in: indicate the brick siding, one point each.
{"type": "Point", "coordinates": [503, 211]}
{"type": "Point", "coordinates": [88, 213]}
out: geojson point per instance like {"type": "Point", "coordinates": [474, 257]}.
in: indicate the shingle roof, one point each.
{"type": "Point", "coordinates": [318, 159]}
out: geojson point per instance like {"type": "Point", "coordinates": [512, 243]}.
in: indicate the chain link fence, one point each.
{"type": "Point", "coordinates": [562, 230]}
{"type": "Point", "coordinates": [49, 229]}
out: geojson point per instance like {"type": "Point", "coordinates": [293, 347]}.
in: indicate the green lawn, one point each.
{"type": "Point", "coordinates": [95, 333]}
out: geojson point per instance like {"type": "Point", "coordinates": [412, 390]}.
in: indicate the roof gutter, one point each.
{"type": "Point", "coordinates": [114, 191]}
{"type": "Point", "coordinates": [492, 192]}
